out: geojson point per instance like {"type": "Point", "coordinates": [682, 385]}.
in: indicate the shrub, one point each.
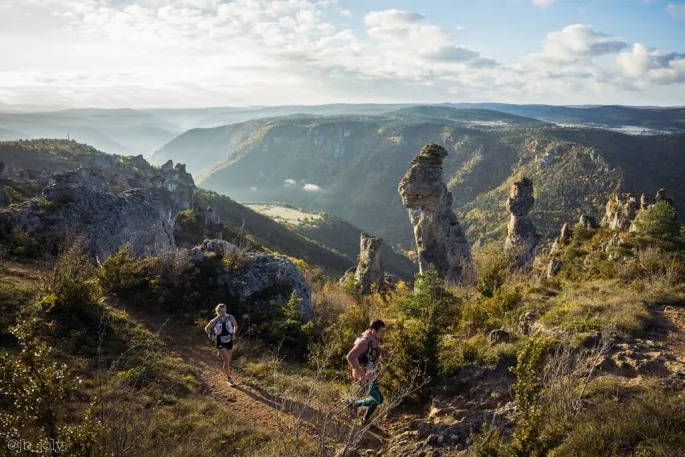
{"type": "Point", "coordinates": [73, 288]}
{"type": "Point", "coordinates": [39, 391]}
{"type": "Point", "coordinates": [657, 226]}
{"type": "Point", "coordinates": [424, 318]}
{"type": "Point", "coordinates": [493, 269]}
{"type": "Point", "coordinates": [19, 243]}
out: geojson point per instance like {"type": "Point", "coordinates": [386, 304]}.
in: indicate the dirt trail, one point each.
{"type": "Point", "coordinates": [254, 404]}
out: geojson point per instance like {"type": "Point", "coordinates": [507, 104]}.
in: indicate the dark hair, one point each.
{"type": "Point", "coordinates": [377, 324]}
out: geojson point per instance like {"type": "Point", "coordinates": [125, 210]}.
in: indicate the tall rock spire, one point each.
{"type": "Point", "coordinates": [440, 239]}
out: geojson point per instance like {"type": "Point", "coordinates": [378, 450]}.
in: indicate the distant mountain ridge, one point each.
{"type": "Point", "coordinates": [350, 166]}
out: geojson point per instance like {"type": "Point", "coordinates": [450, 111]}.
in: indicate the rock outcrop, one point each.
{"type": "Point", "coordinates": [661, 196]}
{"type": "Point", "coordinates": [260, 277]}
{"type": "Point", "coordinates": [173, 189]}
{"type": "Point", "coordinates": [522, 237]}
{"type": "Point", "coordinates": [620, 212]}
{"type": "Point", "coordinates": [370, 274]}
{"type": "Point", "coordinates": [78, 203]}
{"type": "Point", "coordinates": [645, 201]}
{"type": "Point", "coordinates": [440, 239]}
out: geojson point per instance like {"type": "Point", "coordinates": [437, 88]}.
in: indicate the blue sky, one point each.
{"type": "Point", "coordinates": [183, 53]}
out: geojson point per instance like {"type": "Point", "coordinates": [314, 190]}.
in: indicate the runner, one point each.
{"type": "Point", "coordinates": [223, 329]}
{"type": "Point", "coordinates": [362, 358]}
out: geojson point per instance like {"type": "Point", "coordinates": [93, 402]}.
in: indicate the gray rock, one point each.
{"type": "Point", "coordinates": [526, 321]}
{"type": "Point", "coordinates": [217, 246]}
{"type": "Point", "coordinates": [620, 212]}
{"type": "Point", "coordinates": [553, 267]}
{"type": "Point", "coordinates": [173, 189]}
{"type": "Point", "coordinates": [78, 204]}
{"type": "Point", "coordinates": [522, 237]}
{"type": "Point", "coordinates": [440, 239]}
{"type": "Point", "coordinates": [370, 273]}
{"type": "Point", "coordinates": [259, 274]}
{"type": "Point", "coordinates": [498, 336]}
{"type": "Point", "coordinates": [645, 201]}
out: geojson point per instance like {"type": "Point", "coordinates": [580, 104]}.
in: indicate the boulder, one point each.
{"type": "Point", "coordinates": [370, 273]}
{"type": "Point", "coordinates": [522, 237]}
{"type": "Point", "coordinates": [526, 322]}
{"type": "Point", "coordinates": [498, 336]}
{"type": "Point", "coordinates": [440, 238]}
{"type": "Point", "coordinates": [661, 196]}
{"type": "Point", "coordinates": [260, 278]}
{"type": "Point", "coordinates": [645, 201]}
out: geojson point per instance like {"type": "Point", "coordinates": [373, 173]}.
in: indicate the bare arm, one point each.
{"type": "Point", "coordinates": [356, 352]}
{"type": "Point", "coordinates": [235, 325]}
{"type": "Point", "coordinates": [209, 326]}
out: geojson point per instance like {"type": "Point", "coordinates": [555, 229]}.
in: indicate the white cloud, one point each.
{"type": "Point", "coordinates": [647, 65]}
{"type": "Point", "coordinates": [580, 41]}
{"type": "Point", "coordinates": [311, 188]}
{"type": "Point", "coordinates": [543, 3]}
{"type": "Point", "coordinates": [289, 183]}
{"type": "Point", "coordinates": [112, 53]}
{"type": "Point", "coordinates": [676, 10]}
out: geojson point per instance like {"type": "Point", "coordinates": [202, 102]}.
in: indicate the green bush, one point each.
{"type": "Point", "coordinates": [73, 288]}
{"type": "Point", "coordinates": [36, 393]}
{"type": "Point", "coordinates": [425, 317]}
{"type": "Point", "coordinates": [21, 244]}
{"type": "Point", "coordinates": [657, 226]}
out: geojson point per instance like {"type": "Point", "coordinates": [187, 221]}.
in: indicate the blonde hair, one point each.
{"type": "Point", "coordinates": [218, 307]}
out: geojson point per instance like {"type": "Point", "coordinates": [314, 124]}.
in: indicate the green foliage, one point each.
{"type": "Point", "coordinates": [493, 269]}
{"type": "Point", "coordinates": [36, 391]}
{"type": "Point", "coordinates": [285, 326]}
{"type": "Point", "coordinates": [170, 282]}
{"type": "Point", "coordinates": [73, 288]}
{"type": "Point", "coordinates": [657, 226]}
{"type": "Point", "coordinates": [416, 336]}
{"type": "Point", "coordinates": [531, 437]}
{"type": "Point", "coordinates": [20, 244]}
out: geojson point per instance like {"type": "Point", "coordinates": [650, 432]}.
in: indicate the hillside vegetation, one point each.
{"type": "Point", "coordinates": [238, 222]}
{"type": "Point", "coordinates": [350, 166]}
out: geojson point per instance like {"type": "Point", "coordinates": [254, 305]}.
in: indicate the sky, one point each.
{"type": "Point", "coordinates": [198, 53]}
